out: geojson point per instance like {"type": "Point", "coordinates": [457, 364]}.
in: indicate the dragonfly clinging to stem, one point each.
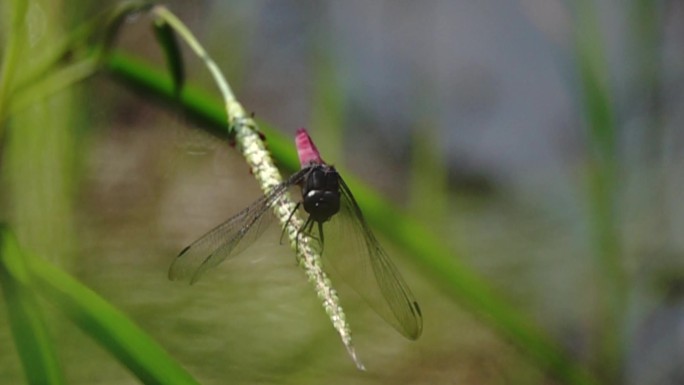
{"type": "Point", "coordinates": [327, 201]}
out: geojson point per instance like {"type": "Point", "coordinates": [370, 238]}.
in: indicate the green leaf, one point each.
{"type": "Point", "coordinates": [12, 45]}
{"type": "Point", "coordinates": [603, 184]}
{"type": "Point", "coordinates": [29, 330]}
{"type": "Point", "coordinates": [174, 59]}
{"type": "Point", "coordinates": [107, 326]}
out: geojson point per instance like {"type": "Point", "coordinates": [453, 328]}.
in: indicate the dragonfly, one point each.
{"type": "Point", "coordinates": [327, 202]}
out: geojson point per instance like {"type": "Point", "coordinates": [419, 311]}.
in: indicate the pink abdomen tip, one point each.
{"type": "Point", "coordinates": [306, 149]}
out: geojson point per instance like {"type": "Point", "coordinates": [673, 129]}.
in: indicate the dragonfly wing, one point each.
{"type": "Point", "coordinates": [225, 240]}
{"type": "Point", "coordinates": [364, 265]}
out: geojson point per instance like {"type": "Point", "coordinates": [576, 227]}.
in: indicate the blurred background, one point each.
{"type": "Point", "coordinates": [537, 139]}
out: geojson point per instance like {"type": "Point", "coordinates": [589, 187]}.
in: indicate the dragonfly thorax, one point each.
{"type": "Point", "coordinates": [321, 193]}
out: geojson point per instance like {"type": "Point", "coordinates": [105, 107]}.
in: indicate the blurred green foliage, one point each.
{"type": "Point", "coordinates": [43, 152]}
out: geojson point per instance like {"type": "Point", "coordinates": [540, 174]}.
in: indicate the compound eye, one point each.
{"type": "Point", "coordinates": [321, 205]}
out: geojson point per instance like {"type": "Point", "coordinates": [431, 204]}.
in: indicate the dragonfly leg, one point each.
{"type": "Point", "coordinates": [320, 233]}
{"type": "Point", "coordinates": [303, 229]}
{"type": "Point", "coordinates": [308, 230]}
{"type": "Point", "coordinates": [288, 222]}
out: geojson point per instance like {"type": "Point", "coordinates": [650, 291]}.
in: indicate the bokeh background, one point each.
{"type": "Point", "coordinates": [539, 140]}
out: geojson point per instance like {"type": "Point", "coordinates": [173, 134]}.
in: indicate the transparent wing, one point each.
{"type": "Point", "coordinates": [358, 258]}
{"type": "Point", "coordinates": [229, 238]}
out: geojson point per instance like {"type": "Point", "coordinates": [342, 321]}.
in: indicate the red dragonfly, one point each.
{"type": "Point", "coordinates": [326, 199]}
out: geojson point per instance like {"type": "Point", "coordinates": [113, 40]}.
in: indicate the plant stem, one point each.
{"type": "Point", "coordinates": [244, 130]}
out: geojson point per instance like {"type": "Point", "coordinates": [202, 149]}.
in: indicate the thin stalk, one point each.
{"type": "Point", "coordinates": [244, 130]}
{"type": "Point", "coordinates": [602, 189]}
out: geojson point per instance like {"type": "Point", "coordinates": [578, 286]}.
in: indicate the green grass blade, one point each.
{"type": "Point", "coordinates": [107, 326]}
{"type": "Point", "coordinates": [242, 130]}
{"type": "Point", "coordinates": [328, 103]}
{"type": "Point", "coordinates": [29, 329]}
{"type": "Point", "coordinates": [464, 285]}
{"type": "Point", "coordinates": [54, 82]}
{"type": "Point", "coordinates": [428, 183]}
{"type": "Point", "coordinates": [602, 181]}
{"type": "Point", "coordinates": [439, 263]}
{"type": "Point", "coordinates": [12, 46]}
{"type": "Point", "coordinates": [68, 59]}
{"type": "Point", "coordinates": [166, 37]}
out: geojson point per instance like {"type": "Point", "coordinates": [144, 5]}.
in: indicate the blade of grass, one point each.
{"type": "Point", "coordinates": [461, 283]}
{"type": "Point", "coordinates": [51, 71]}
{"type": "Point", "coordinates": [106, 325]}
{"type": "Point", "coordinates": [243, 130]}
{"type": "Point", "coordinates": [100, 30]}
{"type": "Point", "coordinates": [29, 329]}
{"type": "Point", "coordinates": [10, 57]}
{"type": "Point", "coordinates": [55, 81]}
{"type": "Point", "coordinates": [602, 189]}
{"type": "Point", "coordinates": [327, 111]}
{"type": "Point", "coordinates": [166, 38]}
{"type": "Point", "coordinates": [428, 181]}
{"type": "Point", "coordinates": [440, 264]}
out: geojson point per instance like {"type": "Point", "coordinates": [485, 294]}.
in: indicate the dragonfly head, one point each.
{"type": "Point", "coordinates": [321, 193]}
